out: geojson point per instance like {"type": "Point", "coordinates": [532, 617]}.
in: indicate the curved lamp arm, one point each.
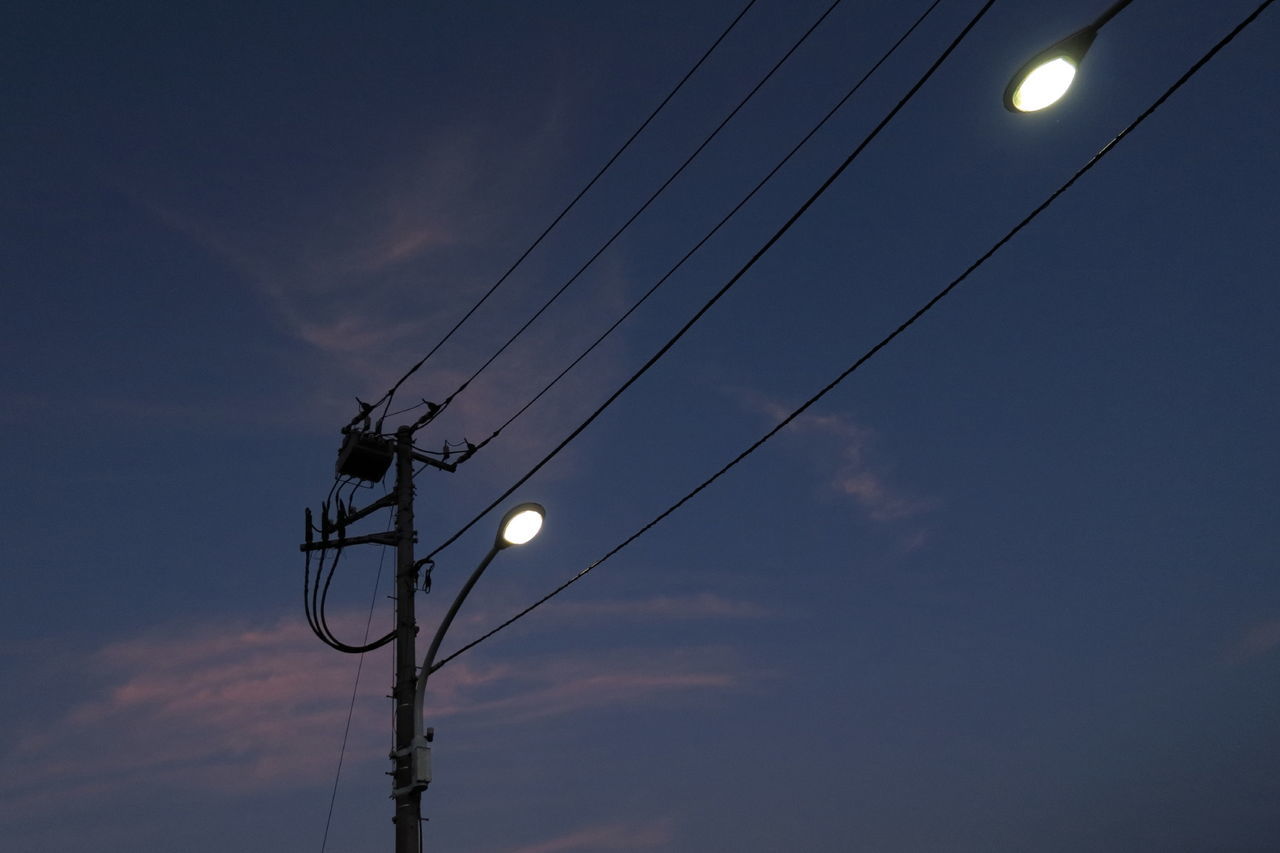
{"type": "Point", "coordinates": [520, 524]}
{"type": "Point", "coordinates": [420, 687]}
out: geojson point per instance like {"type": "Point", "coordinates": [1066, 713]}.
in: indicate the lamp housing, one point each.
{"type": "Point", "coordinates": [521, 523]}
{"type": "Point", "coordinates": [1045, 78]}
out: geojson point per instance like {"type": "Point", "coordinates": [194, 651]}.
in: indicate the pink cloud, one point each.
{"type": "Point", "coordinates": [368, 294]}
{"type": "Point", "coordinates": [539, 688]}
{"type": "Point", "coordinates": [605, 837]}
{"type": "Point", "coordinates": [366, 278]}
{"type": "Point", "coordinates": [877, 498]}
{"type": "Point", "coordinates": [214, 707]}
{"type": "Point", "coordinates": [405, 242]}
{"type": "Point", "coordinates": [243, 707]}
{"type": "Point", "coordinates": [349, 333]}
{"type": "Point", "coordinates": [705, 605]}
{"type": "Point", "coordinates": [1260, 640]}
{"type": "Point", "coordinates": [853, 474]}
{"type": "Point", "coordinates": [340, 282]}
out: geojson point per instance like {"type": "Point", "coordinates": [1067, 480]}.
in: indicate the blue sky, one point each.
{"type": "Point", "coordinates": [1012, 585]}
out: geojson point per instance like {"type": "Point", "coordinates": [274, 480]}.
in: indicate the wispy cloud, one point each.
{"type": "Point", "coordinates": [699, 606]}
{"type": "Point", "coordinates": [877, 498]}
{"type": "Point", "coordinates": [846, 455]}
{"type": "Point", "coordinates": [239, 708]}
{"type": "Point", "coordinates": [584, 680]}
{"type": "Point", "coordinates": [613, 836]}
{"type": "Point", "coordinates": [368, 279]}
{"type": "Point", "coordinates": [1255, 642]}
{"type": "Point", "coordinates": [334, 284]}
{"type": "Point", "coordinates": [221, 707]}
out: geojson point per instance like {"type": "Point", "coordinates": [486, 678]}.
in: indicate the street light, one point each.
{"type": "Point", "coordinates": [1045, 78]}
{"type": "Point", "coordinates": [520, 525]}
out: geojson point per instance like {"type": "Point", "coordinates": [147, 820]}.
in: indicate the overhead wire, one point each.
{"type": "Point", "coordinates": [716, 229]}
{"type": "Point", "coordinates": [768, 244]}
{"type": "Point", "coordinates": [870, 353]}
{"type": "Point", "coordinates": [387, 397]}
{"type": "Point", "coordinates": [351, 707]}
{"type": "Point", "coordinates": [643, 207]}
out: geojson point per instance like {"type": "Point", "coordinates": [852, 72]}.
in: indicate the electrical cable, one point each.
{"type": "Point", "coordinates": [321, 628]}
{"type": "Point", "coordinates": [386, 398]}
{"type": "Point", "coordinates": [328, 636]}
{"type": "Point", "coordinates": [315, 598]}
{"type": "Point", "coordinates": [769, 244]}
{"type": "Point", "coordinates": [311, 594]}
{"type": "Point", "coordinates": [723, 221]}
{"type": "Point", "coordinates": [308, 594]}
{"type": "Point", "coordinates": [346, 730]}
{"type": "Point", "coordinates": [1093, 161]}
{"type": "Point", "coordinates": [642, 208]}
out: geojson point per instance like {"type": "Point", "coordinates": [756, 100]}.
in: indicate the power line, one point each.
{"type": "Point", "coordinates": [723, 221]}
{"type": "Point", "coordinates": [386, 398]}
{"type": "Point", "coordinates": [645, 206]}
{"type": "Point", "coordinates": [346, 730]}
{"type": "Point", "coordinates": [865, 357]}
{"type": "Point", "coordinates": [786, 226]}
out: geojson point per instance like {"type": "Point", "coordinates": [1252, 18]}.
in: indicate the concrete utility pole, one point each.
{"type": "Point", "coordinates": [409, 784]}
{"type": "Point", "coordinates": [366, 455]}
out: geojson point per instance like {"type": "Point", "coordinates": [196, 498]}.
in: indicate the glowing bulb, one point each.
{"type": "Point", "coordinates": [522, 525]}
{"type": "Point", "coordinates": [1044, 85]}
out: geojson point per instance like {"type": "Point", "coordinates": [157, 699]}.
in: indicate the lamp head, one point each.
{"type": "Point", "coordinates": [519, 525]}
{"type": "Point", "coordinates": [1045, 78]}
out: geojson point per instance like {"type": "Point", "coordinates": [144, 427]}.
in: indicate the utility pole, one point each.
{"type": "Point", "coordinates": [408, 784]}
{"type": "Point", "coordinates": [366, 455]}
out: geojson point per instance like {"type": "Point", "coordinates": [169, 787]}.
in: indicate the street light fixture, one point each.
{"type": "Point", "coordinates": [1045, 78]}
{"type": "Point", "coordinates": [519, 526]}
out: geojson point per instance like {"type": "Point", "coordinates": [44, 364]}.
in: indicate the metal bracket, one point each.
{"type": "Point", "coordinates": [344, 541]}
{"type": "Point", "coordinates": [435, 463]}
{"type": "Point", "coordinates": [419, 753]}
{"type": "Point", "coordinates": [381, 503]}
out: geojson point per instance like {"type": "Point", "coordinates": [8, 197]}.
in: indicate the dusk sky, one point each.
{"type": "Point", "coordinates": [1012, 585]}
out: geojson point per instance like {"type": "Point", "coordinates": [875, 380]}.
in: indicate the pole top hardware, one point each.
{"type": "Point", "coordinates": [364, 456]}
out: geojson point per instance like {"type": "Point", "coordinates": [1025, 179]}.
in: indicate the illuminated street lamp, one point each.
{"type": "Point", "coordinates": [518, 526]}
{"type": "Point", "coordinates": [1045, 78]}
